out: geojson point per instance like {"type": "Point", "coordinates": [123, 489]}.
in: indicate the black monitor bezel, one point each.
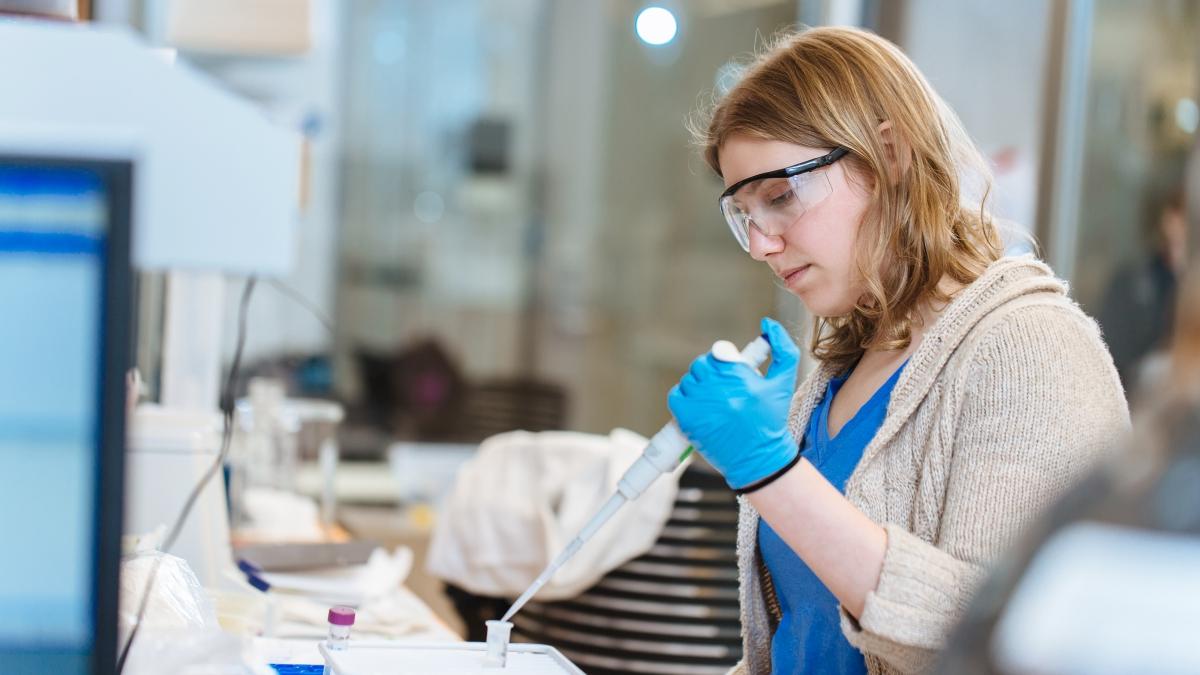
{"type": "Point", "coordinates": [117, 176]}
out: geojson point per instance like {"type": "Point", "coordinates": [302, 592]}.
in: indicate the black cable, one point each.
{"type": "Point", "coordinates": [303, 302]}
{"type": "Point", "coordinates": [227, 408]}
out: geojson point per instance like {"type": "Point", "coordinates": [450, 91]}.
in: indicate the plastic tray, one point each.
{"type": "Point", "coordinates": [457, 658]}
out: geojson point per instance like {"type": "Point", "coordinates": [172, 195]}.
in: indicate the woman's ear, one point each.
{"type": "Point", "coordinates": [897, 152]}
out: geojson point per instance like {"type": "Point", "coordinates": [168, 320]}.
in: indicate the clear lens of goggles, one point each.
{"type": "Point", "coordinates": [773, 204]}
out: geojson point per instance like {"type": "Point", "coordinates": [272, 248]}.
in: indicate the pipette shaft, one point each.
{"type": "Point", "coordinates": [610, 507]}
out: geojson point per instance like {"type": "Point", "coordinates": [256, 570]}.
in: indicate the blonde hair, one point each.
{"type": "Point", "coordinates": [830, 87]}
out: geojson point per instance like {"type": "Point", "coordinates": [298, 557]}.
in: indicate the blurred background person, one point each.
{"type": "Point", "coordinates": [1139, 306]}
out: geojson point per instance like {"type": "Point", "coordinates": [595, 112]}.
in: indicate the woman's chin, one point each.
{"type": "Point", "coordinates": [824, 307]}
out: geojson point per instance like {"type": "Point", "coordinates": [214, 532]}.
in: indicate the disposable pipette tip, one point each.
{"type": "Point", "coordinates": [529, 592]}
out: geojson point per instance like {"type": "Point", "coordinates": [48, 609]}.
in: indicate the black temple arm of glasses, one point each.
{"type": "Point", "coordinates": [817, 162]}
{"type": "Point", "coordinates": [793, 170]}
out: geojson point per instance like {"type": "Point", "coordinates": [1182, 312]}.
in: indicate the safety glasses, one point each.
{"type": "Point", "coordinates": [773, 201]}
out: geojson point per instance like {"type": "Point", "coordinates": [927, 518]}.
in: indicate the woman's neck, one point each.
{"type": "Point", "coordinates": [927, 314]}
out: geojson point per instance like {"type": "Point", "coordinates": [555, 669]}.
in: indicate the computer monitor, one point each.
{"type": "Point", "coordinates": [65, 296]}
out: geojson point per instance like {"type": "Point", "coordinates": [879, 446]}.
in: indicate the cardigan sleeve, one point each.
{"type": "Point", "coordinates": [1039, 404]}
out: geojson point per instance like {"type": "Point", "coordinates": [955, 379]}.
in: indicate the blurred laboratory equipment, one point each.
{"type": "Point", "coordinates": [274, 434]}
{"type": "Point", "coordinates": [169, 451]}
{"type": "Point", "coordinates": [318, 435]}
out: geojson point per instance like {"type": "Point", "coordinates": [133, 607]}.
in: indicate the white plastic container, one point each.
{"type": "Point", "coordinates": [436, 658]}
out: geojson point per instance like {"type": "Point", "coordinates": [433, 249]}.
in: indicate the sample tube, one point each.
{"type": "Point", "coordinates": [340, 621]}
{"type": "Point", "coordinates": [498, 633]}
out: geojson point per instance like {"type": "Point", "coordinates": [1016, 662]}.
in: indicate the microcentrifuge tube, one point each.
{"type": "Point", "coordinates": [340, 620]}
{"type": "Point", "coordinates": [498, 633]}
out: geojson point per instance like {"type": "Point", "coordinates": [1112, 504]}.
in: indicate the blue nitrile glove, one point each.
{"type": "Point", "coordinates": [737, 418]}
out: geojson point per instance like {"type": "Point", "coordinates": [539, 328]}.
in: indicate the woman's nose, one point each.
{"type": "Point", "coordinates": [762, 244]}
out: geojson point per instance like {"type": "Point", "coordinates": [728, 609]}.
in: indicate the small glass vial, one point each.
{"type": "Point", "coordinates": [340, 620]}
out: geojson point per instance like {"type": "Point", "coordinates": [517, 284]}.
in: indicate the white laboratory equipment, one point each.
{"type": "Point", "coordinates": [346, 656]}
{"type": "Point", "coordinates": [443, 658]}
{"type": "Point", "coordinates": [169, 450]}
{"type": "Point", "coordinates": [215, 190]}
{"type": "Point", "coordinates": [216, 186]}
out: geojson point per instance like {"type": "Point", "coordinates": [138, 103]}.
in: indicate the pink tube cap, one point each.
{"type": "Point", "coordinates": [341, 616]}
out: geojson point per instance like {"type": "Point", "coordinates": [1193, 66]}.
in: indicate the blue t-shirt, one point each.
{"type": "Point", "coordinates": [809, 638]}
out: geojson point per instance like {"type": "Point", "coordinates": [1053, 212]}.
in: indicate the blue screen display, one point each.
{"type": "Point", "coordinates": [53, 224]}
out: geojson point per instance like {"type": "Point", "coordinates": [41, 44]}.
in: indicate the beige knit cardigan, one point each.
{"type": "Point", "coordinates": [1009, 398]}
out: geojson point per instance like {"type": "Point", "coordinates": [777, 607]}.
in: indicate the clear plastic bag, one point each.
{"type": "Point", "coordinates": [177, 600]}
{"type": "Point", "coordinates": [179, 633]}
{"type": "Point", "coordinates": [206, 652]}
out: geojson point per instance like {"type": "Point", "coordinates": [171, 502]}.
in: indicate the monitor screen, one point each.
{"type": "Point", "coordinates": [64, 308]}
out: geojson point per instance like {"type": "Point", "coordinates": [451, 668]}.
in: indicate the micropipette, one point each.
{"type": "Point", "coordinates": [665, 452]}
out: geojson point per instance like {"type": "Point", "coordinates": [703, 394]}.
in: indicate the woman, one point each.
{"type": "Point", "coordinates": [958, 392]}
